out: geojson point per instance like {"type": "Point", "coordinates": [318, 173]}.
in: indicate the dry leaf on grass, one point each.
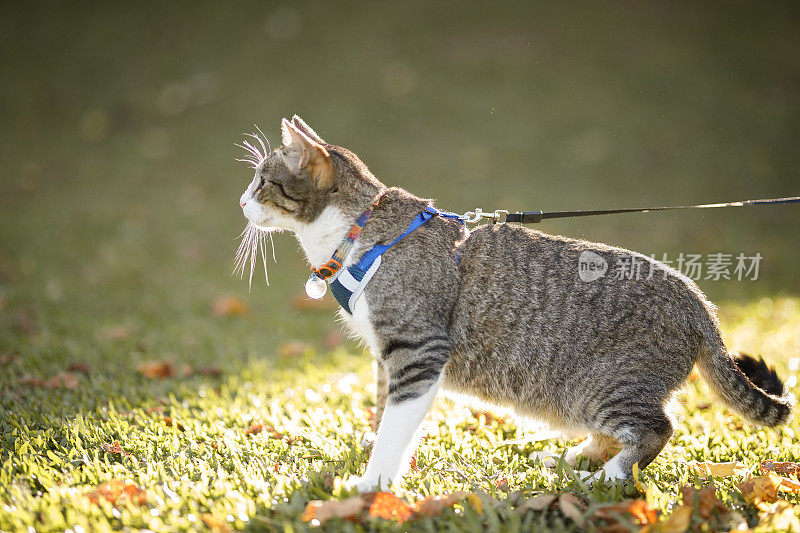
{"type": "Point", "coordinates": [9, 358]}
{"type": "Point", "coordinates": [762, 488]}
{"type": "Point", "coordinates": [62, 380]}
{"type": "Point", "coordinates": [217, 525]}
{"type": "Point", "coordinates": [113, 447]}
{"type": "Point", "coordinates": [301, 302]}
{"type": "Point", "coordinates": [780, 467]}
{"type": "Point", "coordinates": [210, 371]}
{"type": "Point", "coordinates": [717, 469]}
{"type": "Point", "coordinates": [169, 422]}
{"type": "Point", "coordinates": [383, 505]}
{"type": "Point", "coordinates": [156, 369]}
{"type": "Point", "coordinates": [293, 348]}
{"type": "Point", "coordinates": [538, 503]}
{"type": "Point", "coordinates": [117, 491]}
{"type": "Point", "coordinates": [318, 512]}
{"type": "Point", "coordinates": [254, 429]}
{"type": "Point", "coordinates": [707, 501]}
{"type": "Point", "coordinates": [778, 516]}
{"type": "Point", "coordinates": [570, 506]}
{"type": "Point", "coordinates": [677, 522]}
{"type": "Point", "coordinates": [435, 505]}
{"type": "Point", "coordinates": [79, 366]}
{"type": "Point", "coordinates": [388, 506]}
{"type": "Point", "coordinates": [229, 306]}
{"type": "Point", "coordinates": [636, 508]}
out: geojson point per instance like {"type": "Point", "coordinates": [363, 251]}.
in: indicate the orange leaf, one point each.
{"type": "Point", "coordinates": [762, 488]}
{"type": "Point", "coordinates": [169, 422]}
{"type": "Point", "coordinates": [780, 467]}
{"type": "Point", "coordinates": [156, 369]}
{"type": "Point", "coordinates": [116, 491]}
{"type": "Point", "coordinates": [636, 508]}
{"type": "Point", "coordinates": [214, 524]}
{"type": "Point", "coordinates": [114, 447]}
{"type": "Point", "coordinates": [677, 522]}
{"type": "Point", "coordinates": [434, 505]}
{"type": "Point", "coordinates": [62, 380]}
{"type": "Point", "coordinates": [318, 512]}
{"type": "Point", "coordinates": [254, 429]}
{"type": "Point", "coordinates": [228, 306]}
{"type": "Point", "coordinates": [387, 505]}
{"type": "Point", "coordinates": [293, 348]}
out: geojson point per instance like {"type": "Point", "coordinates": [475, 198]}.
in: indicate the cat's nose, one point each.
{"type": "Point", "coordinates": [242, 204]}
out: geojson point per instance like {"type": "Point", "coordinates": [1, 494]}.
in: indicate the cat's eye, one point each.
{"type": "Point", "coordinates": [261, 184]}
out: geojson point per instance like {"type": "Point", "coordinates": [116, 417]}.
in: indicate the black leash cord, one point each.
{"type": "Point", "coordinates": [532, 217]}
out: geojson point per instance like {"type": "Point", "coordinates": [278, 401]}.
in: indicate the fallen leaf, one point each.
{"type": "Point", "coordinates": [413, 464]}
{"type": "Point", "coordinates": [388, 506]}
{"type": "Point", "coordinates": [333, 339]}
{"type": "Point", "coordinates": [717, 469]}
{"type": "Point", "coordinates": [301, 302]}
{"type": "Point", "coordinates": [434, 505]}
{"type": "Point", "coordinates": [636, 508]}
{"type": "Point", "coordinates": [156, 369]}
{"type": "Point", "coordinates": [677, 522]}
{"type": "Point", "coordinates": [117, 491]}
{"type": "Point", "coordinates": [293, 348]}
{"type": "Point", "coordinates": [214, 524]}
{"type": "Point", "coordinates": [569, 506]}
{"type": "Point", "coordinates": [476, 502]}
{"type": "Point", "coordinates": [155, 409]}
{"type": "Point", "coordinates": [318, 512]}
{"type": "Point", "coordinates": [79, 366]}
{"type": "Point", "coordinates": [254, 429]}
{"type": "Point", "coordinates": [210, 371]}
{"type": "Point", "coordinates": [62, 380]}
{"type": "Point", "coordinates": [762, 488]}
{"type": "Point", "coordinates": [229, 306]}
{"type": "Point", "coordinates": [538, 503]}
{"type": "Point", "coordinates": [501, 484]}
{"type": "Point", "coordinates": [115, 333]}
{"type": "Point", "coordinates": [169, 422]}
{"type": "Point", "coordinates": [778, 516]}
{"type": "Point", "coordinates": [707, 501]}
{"type": "Point", "coordinates": [113, 447]}
{"type": "Point", "coordinates": [788, 485]}
{"type": "Point", "coordinates": [780, 467]}
{"type": "Point", "coordinates": [9, 358]}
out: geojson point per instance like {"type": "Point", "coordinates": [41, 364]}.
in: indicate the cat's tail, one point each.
{"type": "Point", "coordinates": [746, 385]}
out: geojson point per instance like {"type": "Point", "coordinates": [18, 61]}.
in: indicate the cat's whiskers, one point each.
{"type": "Point", "coordinates": [253, 243]}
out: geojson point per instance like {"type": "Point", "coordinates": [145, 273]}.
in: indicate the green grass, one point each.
{"type": "Point", "coordinates": [118, 212]}
{"type": "Point", "coordinates": [207, 463]}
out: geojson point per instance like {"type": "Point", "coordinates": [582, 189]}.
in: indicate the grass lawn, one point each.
{"type": "Point", "coordinates": [143, 387]}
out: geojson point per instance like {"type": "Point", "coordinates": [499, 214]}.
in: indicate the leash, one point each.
{"type": "Point", "coordinates": [534, 217]}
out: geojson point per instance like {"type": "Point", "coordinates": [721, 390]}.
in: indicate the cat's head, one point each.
{"type": "Point", "coordinates": [293, 184]}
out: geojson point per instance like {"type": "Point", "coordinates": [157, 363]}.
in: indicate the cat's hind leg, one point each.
{"type": "Point", "coordinates": [642, 435]}
{"type": "Point", "coordinates": [597, 447]}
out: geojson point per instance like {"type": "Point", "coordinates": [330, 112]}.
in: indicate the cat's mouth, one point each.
{"type": "Point", "coordinates": [254, 241]}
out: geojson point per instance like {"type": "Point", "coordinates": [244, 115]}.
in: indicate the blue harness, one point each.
{"type": "Point", "coordinates": [349, 283]}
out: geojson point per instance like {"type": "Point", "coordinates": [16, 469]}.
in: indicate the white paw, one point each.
{"type": "Point", "coordinates": [366, 484]}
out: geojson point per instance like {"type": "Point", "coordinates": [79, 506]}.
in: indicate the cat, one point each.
{"type": "Point", "coordinates": [500, 314]}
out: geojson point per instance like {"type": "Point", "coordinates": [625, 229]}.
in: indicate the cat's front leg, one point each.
{"type": "Point", "coordinates": [397, 438]}
{"type": "Point", "coordinates": [414, 374]}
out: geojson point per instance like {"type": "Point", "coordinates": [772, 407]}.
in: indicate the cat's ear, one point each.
{"type": "Point", "coordinates": [305, 128]}
{"type": "Point", "coordinates": [304, 153]}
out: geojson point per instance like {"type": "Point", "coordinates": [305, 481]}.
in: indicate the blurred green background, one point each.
{"type": "Point", "coordinates": [119, 189]}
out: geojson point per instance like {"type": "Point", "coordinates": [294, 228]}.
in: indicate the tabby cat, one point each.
{"type": "Point", "coordinates": [500, 314]}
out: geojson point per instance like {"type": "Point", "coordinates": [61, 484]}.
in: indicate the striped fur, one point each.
{"type": "Point", "coordinates": [511, 323]}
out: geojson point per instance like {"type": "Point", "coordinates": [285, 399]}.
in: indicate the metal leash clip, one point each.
{"type": "Point", "coordinates": [473, 217]}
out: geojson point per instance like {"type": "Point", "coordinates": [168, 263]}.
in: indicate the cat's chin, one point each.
{"type": "Point", "coordinates": [269, 229]}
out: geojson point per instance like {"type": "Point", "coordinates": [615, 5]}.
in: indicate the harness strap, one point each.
{"type": "Point", "coordinates": [348, 284]}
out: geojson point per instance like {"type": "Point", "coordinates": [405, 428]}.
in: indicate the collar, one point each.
{"type": "Point", "coordinates": [334, 264]}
